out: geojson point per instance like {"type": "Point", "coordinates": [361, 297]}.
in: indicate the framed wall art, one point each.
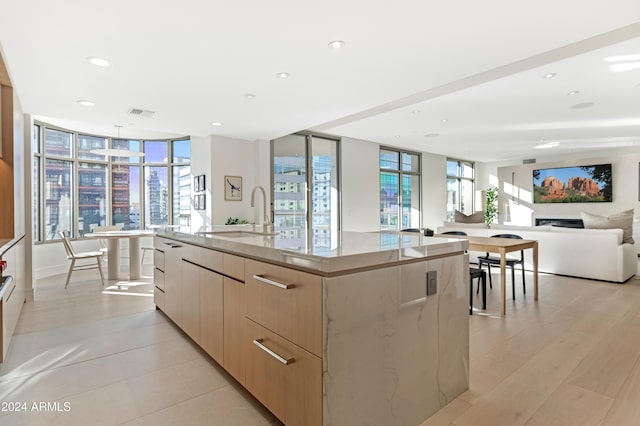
{"type": "Point", "coordinates": [233, 188]}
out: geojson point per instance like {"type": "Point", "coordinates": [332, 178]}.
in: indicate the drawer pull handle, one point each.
{"type": "Point", "coordinates": [173, 245]}
{"type": "Point", "coordinates": [266, 280]}
{"type": "Point", "coordinates": [285, 361]}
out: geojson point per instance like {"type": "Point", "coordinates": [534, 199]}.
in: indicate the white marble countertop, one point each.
{"type": "Point", "coordinates": [346, 251]}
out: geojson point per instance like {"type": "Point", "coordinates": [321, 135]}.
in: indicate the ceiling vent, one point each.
{"type": "Point", "coordinates": [141, 112]}
{"type": "Point", "coordinates": [529, 161]}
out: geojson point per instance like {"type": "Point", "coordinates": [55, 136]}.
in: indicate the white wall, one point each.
{"type": "Point", "coordinates": [434, 194]}
{"type": "Point", "coordinates": [360, 185]}
{"type": "Point", "coordinates": [235, 157]}
{"type": "Point", "coordinates": [517, 207]}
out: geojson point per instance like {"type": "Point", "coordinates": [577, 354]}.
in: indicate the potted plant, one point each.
{"type": "Point", "coordinates": [491, 209]}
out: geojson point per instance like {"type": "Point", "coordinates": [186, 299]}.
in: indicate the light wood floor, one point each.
{"type": "Point", "coordinates": [573, 358]}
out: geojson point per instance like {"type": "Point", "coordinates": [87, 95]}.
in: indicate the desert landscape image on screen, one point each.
{"type": "Point", "coordinates": [581, 184]}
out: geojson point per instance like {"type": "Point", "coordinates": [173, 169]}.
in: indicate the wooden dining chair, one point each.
{"type": "Point", "coordinates": [511, 262]}
{"type": "Point", "coordinates": [74, 256]}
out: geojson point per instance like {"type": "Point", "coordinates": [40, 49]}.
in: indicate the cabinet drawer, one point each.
{"type": "Point", "coordinates": [158, 259]}
{"type": "Point", "coordinates": [293, 391]}
{"type": "Point", "coordinates": [211, 259]}
{"type": "Point", "coordinates": [294, 313]}
{"type": "Point", "coordinates": [191, 253]}
{"type": "Point", "coordinates": [233, 266]}
{"type": "Point", "coordinates": [158, 278]}
{"type": "Point", "coordinates": [158, 298]}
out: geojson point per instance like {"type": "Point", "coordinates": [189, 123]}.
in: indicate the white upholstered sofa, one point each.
{"type": "Point", "coordinates": [597, 254]}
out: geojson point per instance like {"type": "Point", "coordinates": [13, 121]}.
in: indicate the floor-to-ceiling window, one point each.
{"type": "Point", "coordinates": [76, 188]}
{"type": "Point", "coordinates": [460, 187]}
{"type": "Point", "coordinates": [305, 188]}
{"type": "Point", "coordinates": [399, 189]}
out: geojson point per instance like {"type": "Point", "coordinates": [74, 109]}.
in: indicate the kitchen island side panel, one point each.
{"type": "Point", "coordinates": [393, 355]}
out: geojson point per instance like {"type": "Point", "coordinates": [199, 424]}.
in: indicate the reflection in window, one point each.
{"type": "Point", "coordinates": [460, 187]}
{"type": "Point", "coordinates": [182, 195]}
{"type": "Point", "coordinates": [125, 196]}
{"type": "Point", "coordinates": [87, 143]}
{"type": "Point", "coordinates": [156, 192]}
{"type": "Point", "coordinates": [92, 196]}
{"type": "Point", "coordinates": [70, 183]}
{"type": "Point", "coordinates": [58, 143]}
{"type": "Point", "coordinates": [292, 181]}
{"type": "Point", "coordinates": [57, 198]}
{"type": "Point", "coordinates": [399, 189]}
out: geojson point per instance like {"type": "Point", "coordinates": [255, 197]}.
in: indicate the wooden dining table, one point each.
{"type": "Point", "coordinates": [113, 255]}
{"type": "Point", "coordinates": [502, 246]}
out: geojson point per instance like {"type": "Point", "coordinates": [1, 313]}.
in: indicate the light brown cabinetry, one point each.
{"type": "Point", "coordinates": [261, 322]}
{"type": "Point", "coordinates": [234, 328]}
{"type": "Point", "coordinates": [158, 277]}
{"type": "Point", "coordinates": [211, 313]}
{"type": "Point", "coordinates": [284, 377]}
{"type": "Point", "coordinates": [190, 288]}
{"type": "Point", "coordinates": [286, 301]}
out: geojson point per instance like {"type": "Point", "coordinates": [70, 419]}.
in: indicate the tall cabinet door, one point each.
{"type": "Point", "coordinates": [234, 328]}
{"type": "Point", "coordinates": [172, 280]}
{"type": "Point", "coordinates": [211, 313]}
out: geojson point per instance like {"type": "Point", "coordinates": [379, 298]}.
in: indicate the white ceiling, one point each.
{"type": "Point", "coordinates": [477, 64]}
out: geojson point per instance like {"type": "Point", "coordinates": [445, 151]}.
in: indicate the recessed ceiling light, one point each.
{"type": "Point", "coordinates": [582, 105]}
{"type": "Point", "coordinates": [444, 120]}
{"type": "Point", "coordinates": [216, 123]}
{"type": "Point", "coordinates": [397, 136]}
{"type": "Point", "coordinates": [415, 112]}
{"type": "Point", "coordinates": [431, 135]}
{"type": "Point", "coordinates": [336, 44]}
{"type": "Point", "coordinates": [101, 62]}
{"type": "Point", "coordinates": [547, 145]}
{"type": "Point", "coordinates": [86, 103]}
{"type": "Point", "coordinates": [550, 75]}
{"type": "Point", "coordinates": [250, 96]}
{"type": "Point", "coordinates": [283, 75]}
{"type": "Point", "coordinates": [573, 92]}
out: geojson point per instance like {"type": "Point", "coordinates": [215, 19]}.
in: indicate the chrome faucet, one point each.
{"type": "Point", "coordinates": [266, 219]}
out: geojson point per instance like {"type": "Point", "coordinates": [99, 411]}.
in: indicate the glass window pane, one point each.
{"type": "Point", "coordinates": [156, 151]}
{"type": "Point", "coordinates": [289, 186]}
{"type": "Point", "coordinates": [92, 196]}
{"type": "Point", "coordinates": [36, 199]}
{"type": "Point", "coordinates": [410, 163]}
{"type": "Point", "coordinates": [182, 195]}
{"type": "Point", "coordinates": [87, 143]}
{"type": "Point", "coordinates": [35, 139]}
{"type": "Point", "coordinates": [130, 145]}
{"type": "Point", "coordinates": [452, 198]}
{"type": "Point", "coordinates": [156, 196]}
{"type": "Point", "coordinates": [410, 201]}
{"type": "Point", "coordinates": [181, 151]}
{"type": "Point", "coordinates": [389, 160]}
{"type": "Point", "coordinates": [466, 199]}
{"type": "Point", "coordinates": [389, 200]}
{"type": "Point", "coordinates": [125, 196]}
{"type": "Point", "coordinates": [467, 169]}
{"type": "Point", "coordinates": [452, 168]}
{"type": "Point", "coordinates": [57, 197]}
{"type": "Point", "coordinates": [58, 143]}
{"type": "Point", "coordinates": [324, 192]}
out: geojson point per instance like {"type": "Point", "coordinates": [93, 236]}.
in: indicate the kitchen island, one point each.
{"type": "Point", "coordinates": [371, 328]}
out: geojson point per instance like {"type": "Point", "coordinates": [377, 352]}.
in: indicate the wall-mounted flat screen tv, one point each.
{"type": "Point", "coordinates": [580, 184]}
